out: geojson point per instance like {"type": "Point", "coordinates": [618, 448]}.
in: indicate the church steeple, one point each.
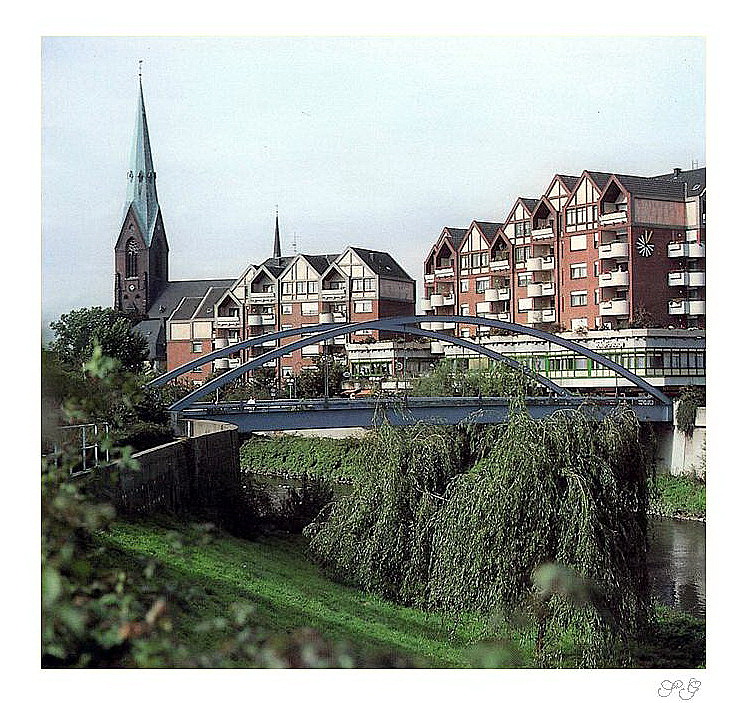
{"type": "Point", "coordinates": [141, 251]}
{"type": "Point", "coordinates": [276, 240]}
{"type": "Point", "coordinates": [141, 191]}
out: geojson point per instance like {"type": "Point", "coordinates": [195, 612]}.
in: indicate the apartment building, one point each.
{"type": "Point", "coordinates": [595, 251]}
{"type": "Point", "coordinates": [290, 293]}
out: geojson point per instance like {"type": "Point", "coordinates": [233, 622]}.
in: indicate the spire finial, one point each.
{"type": "Point", "coordinates": [276, 240]}
{"type": "Point", "coordinates": [140, 70]}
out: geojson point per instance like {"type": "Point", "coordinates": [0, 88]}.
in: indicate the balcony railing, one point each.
{"type": "Point", "coordinates": [426, 305]}
{"type": "Point", "coordinates": [687, 307]}
{"type": "Point", "coordinates": [221, 364]}
{"type": "Point", "coordinates": [227, 322]}
{"type": "Point", "coordinates": [325, 318]}
{"type": "Point", "coordinates": [262, 297]}
{"type": "Point", "coordinates": [221, 343]}
{"type": "Point", "coordinates": [500, 264]}
{"type": "Point", "coordinates": [613, 278]}
{"type": "Point", "coordinates": [686, 249]}
{"type": "Point", "coordinates": [614, 307]}
{"type": "Point", "coordinates": [536, 290]}
{"type": "Point", "coordinates": [689, 279]}
{"type": "Point", "coordinates": [447, 271]}
{"type": "Point", "coordinates": [483, 308]}
{"type": "Point", "coordinates": [614, 250]}
{"type": "Point", "coordinates": [545, 231]}
{"type": "Point", "coordinates": [612, 218]}
{"type": "Point", "coordinates": [544, 315]}
{"type": "Point", "coordinates": [540, 263]}
{"type": "Point", "coordinates": [260, 320]}
{"type": "Point", "coordinates": [334, 294]}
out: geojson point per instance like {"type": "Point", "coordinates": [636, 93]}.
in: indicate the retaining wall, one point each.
{"type": "Point", "coordinates": [679, 453]}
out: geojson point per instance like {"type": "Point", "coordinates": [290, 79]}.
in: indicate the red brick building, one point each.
{"type": "Point", "coordinates": [595, 251]}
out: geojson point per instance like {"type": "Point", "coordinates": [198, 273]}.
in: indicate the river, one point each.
{"type": "Point", "coordinates": [676, 559]}
{"type": "Point", "coordinates": [677, 564]}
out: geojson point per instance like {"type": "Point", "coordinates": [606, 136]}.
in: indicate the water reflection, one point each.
{"type": "Point", "coordinates": [677, 564]}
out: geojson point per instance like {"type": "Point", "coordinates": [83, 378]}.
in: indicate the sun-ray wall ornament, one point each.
{"type": "Point", "coordinates": [644, 243]}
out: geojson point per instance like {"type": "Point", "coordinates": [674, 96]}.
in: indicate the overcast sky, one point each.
{"type": "Point", "coordinates": [377, 142]}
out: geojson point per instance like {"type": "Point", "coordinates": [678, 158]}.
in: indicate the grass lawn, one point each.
{"type": "Point", "coordinates": [679, 496]}
{"type": "Point", "coordinates": [287, 591]}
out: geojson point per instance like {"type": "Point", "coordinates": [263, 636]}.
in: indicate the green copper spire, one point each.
{"type": "Point", "coordinates": [141, 191]}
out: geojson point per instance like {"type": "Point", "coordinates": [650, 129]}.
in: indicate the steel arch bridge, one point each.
{"type": "Point", "coordinates": [653, 406]}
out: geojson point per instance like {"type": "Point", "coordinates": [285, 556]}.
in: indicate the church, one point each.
{"type": "Point", "coordinates": [183, 320]}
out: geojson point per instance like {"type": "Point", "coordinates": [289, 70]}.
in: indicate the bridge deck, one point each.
{"type": "Point", "coordinates": [335, 412]}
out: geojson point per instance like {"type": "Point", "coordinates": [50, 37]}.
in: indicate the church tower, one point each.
{"type": "Point", "coordinates": [141, 252]}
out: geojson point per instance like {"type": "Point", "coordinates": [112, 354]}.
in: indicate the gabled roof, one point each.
{"type": "Point", "coordinates": [175, 291]}
{"type": "Point", "coordinates": [320, 262]}
{"type": "Point", "coordinates": [153, 332]}
{"type": "Point", "coordinates": [209, 302]}
{"type": "Point", "coordinates": [456, 234]}
{"type": "Point", "coordinates": [600, 178]}
{"type": "Point", "coordinates": [276, 265]}
{"type": "Point", "coordinates": [382, 264]}
{"type": "Point", "coordinates": [186, 309]}
{"type": "Point", "coordinates": [488, 229]}
{"type": "Point", "coordinates": [569, 181]}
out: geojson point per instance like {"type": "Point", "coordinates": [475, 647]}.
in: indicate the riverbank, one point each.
{"type": "Point", "coordinates": [680, 497]}
{"type": "Point", "coordinates": [286, 592]}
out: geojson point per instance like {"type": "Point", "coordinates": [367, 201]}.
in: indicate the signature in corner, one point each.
{"type": "Point", "coordinates": [685, 692]}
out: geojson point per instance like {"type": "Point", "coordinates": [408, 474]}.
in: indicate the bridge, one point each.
{"type": "Point", "coordinates": [651, 405]}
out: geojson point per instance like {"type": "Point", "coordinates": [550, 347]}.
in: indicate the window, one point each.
{"type": "Point", "coordinates": [524, 279]}
{"type": "Point", "coordinates": [197, 347]}
{"type": "Point", "coordinates": [301, 287]}
{"type": "Point", "coordinates": [369, 284]}
{"type": "Point", "coordinates": [475, 260]}
{"type": "Point", "coordinates": [518, 229]}
{"type": "Point", "coordinates": [482, 284]}
{"type": "Point", "coordinates": [287, 288]}
{"type": "Point", "coordinates": [578, 271]}
{"type": "Point", "coordinates": [464, 310]}
{"type": "Point", "coordinates": [309, 308]}
{"type": "Point", "coordinates": [312, 287]}
{"type": "Point", "coordinates": [362, 306]}
{"type": "Point", "coordinates": [578, 298]}
{"type": "Point", "coordinates": [465, 285]}
{"type": "Point", "coordinates": [485, 258]}
{"type": "Point", "coordinates": [357, 285]}
{"type": "Point", "coordinates": [132, 259]}
{"type": "Point", "coordinates": [267, 288]}
{"type": "Point", "coordinates": [465, 261]}
{"type": "Point", "coordinates": [571, 216]}
{"type": "Point", "coordinates": [521, 254]}
{"type": "Point", "coordinates": [578, 242]}
{"type": "Point", "coordinates": [596, 268]}
{"type": "Point", "coordinates": [597, 296]}
{"type": "Point", "coordinates": [286, 309]}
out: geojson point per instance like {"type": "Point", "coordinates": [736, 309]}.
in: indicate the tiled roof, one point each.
{"type": "Point", "coordinates": [653, 188]}
{"type": "Point", "coordinates": [694, 180]}
{"type": "Point", "coordinates": [154, 332]}
{"type": "Point", "coordinates": [186, 309]}
{"type": "Point", "coordinates": [206, 308]}
{"type": "Point", "coordinates": [569, 181]}
{"type": "Point", "coordinates": [320, 262]}
{"type": "Point", "coordinates": [456, 234]}
{"type": "Point", "coordinates": [530, 203]}
{"type": "Point", "coordinates": [600, 178]}
{"type": "Point", "coordinates": [488, 229]}
{"type": "Point", "coordinates": [175, 291]}
{"type": "Point", "coordinates": [382, 264]}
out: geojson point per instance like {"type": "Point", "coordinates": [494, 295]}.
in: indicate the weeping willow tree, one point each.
{"type": "Point", "coordinates": [565, 491]}
{"type": "Point", "coordinates": [550, 521]}
{"type": "Point", "coordinates": [379, 536]}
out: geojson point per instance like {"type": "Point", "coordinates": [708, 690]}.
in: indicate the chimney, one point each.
{"type": "Point", "coordinates": [676, 172]}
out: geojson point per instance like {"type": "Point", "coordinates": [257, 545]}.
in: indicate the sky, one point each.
{"type": "Point", "coordinates": [376, 142]}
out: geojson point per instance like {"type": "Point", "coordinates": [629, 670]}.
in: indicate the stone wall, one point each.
{"type": "Point", "coordinates": [681, 454]}
{"type": "Point", "coordinates": [198, 474]}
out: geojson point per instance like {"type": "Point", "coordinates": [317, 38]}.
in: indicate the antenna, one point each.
{"type": "Point", "coordinates": [694, 164]}
{"type": "Point", "coordinates": [140, 70]}
{"type": "Point", "coordinates": [293, 244]}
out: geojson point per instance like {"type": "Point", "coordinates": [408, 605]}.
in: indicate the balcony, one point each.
{"type": "Point", "coordinates": [540, 232]}
{"type": "Point", "coordinates": [436, 326]}
{"type": "Point", "coordinates": [614, 307]}
{"type": "Point", "coordinates": [310, 350]}
{"type": "Point", "coordinates": [442, 272]}
{"type": "Point", "coordinates": [611, 279]}
{"type": "Point", "coordinates": [689, 279]}
{"type": "Point", "coordinates": [325, 318]}
{"type": "Point", "coordinates": [686, 307]}
{"type": "Point", "coordinates": [495, 295]}
{"type": "Point", "coordinates": [334, 294]}
{"type": "Point", "coordinates": [228, 323]}
{"type": "Point", "coordinates": [426, 305]}
{"type": "Point", "coordinates": [449, 325]}
{"type": "Point", "coordinates": [686, 249]}
{"type": "Point", "coordinates": [545, 315]}
{"type": "Point", "coordinates": [500, 264]}
{"type": "Point", "coordinates": [221, 343]}
{"type": "Point", "coordinates": [613, 218]}
{"type": "Point", "coordinates": [439, 300]}
{"type": "Point", "coordinates": [482, 308]}
{"type": "Point", "coordinates": [262, 298]}
{"type": "Point", "coordinates": [261, 320]}
{"type": "Point", "coordinates": [536, 290]}
{"type": "Point", "coordinates": [429, 277]}
{"type": "Point", "coordinates": [540, 263]}
{"type": "Point", "coordinates": [221, 364]}
{"type": "Point", "coordinates": [436, 347]}
{"type": "Point", "coordinates": [614, 250]}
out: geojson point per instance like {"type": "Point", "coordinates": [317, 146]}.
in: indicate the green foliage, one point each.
{"type": "Point", "coordinates": [678, 496]}
{"type": "Point", "coordinates": [424, 528]}
{"type": "Point", "coordinates": [497, 380]}
{"type": "Point", "coordinates": [310, 382]}
{"type": "Point", "coordinates": [293, 456]}
{"type": "Point", "coordinates": [79, 332]}
{"type": "Point", "coordinates": [689, 401]}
